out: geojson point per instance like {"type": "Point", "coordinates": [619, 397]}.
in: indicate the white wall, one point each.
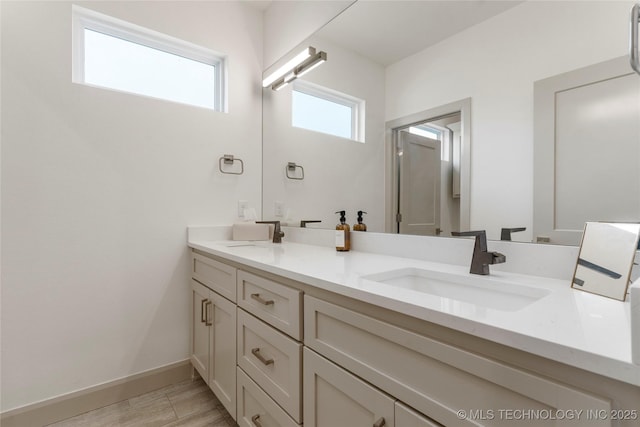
{"type": "Point", "coordinates": [287, 23]}
{"type": "Point", "coordinates": [495, 63]}
{"type": "Point", "coordinates": [98, 188]}
{"type": "Point", "coordinates": [325, 157]}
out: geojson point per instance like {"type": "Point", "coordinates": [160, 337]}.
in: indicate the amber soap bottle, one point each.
{"type": "Point", "coordinates": [343, 240]}
{"type": "Point", "coordinates": [360, 226]}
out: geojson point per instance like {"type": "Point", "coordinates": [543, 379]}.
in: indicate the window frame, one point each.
{"type": "Point", "coordinates": [356, 105]}
{"type": "Point", "coordinates": [86, 19]}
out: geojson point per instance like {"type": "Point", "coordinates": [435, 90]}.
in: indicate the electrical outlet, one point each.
{"type": "Point", "coordinates": [279, 209]}
{"type": "Point", "coordinates": [242, 205]}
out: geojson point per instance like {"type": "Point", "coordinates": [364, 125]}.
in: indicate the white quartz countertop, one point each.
{"type": "Point", "coordinates": [567, 325]}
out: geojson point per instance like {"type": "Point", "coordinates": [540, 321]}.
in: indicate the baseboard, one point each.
{"type": "Point", "coordinates": [78, 402]}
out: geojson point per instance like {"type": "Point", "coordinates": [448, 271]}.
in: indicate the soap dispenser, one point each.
{"type": "Point", "coordinates": [360, 226]}
{"type": "Point", "coordinates": [343, 240]}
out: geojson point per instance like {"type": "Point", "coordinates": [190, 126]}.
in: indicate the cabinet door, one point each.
{"type": "Point", "coordinates": [335, 398]}
{"type": "Point", "coordinates": [221, 315]}
{"type": "Point", "coordinates": [407, 417]}
{"type": "Point", "coordinates": [199, 329]}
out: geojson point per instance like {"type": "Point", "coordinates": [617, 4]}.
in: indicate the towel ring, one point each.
{"type": "Point", "coordinates": [291, 168]}
{"type": "Point", "coordinates": [228, 159]}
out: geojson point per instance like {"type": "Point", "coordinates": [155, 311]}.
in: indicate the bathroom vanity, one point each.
{"type": "Point", "coordinates": [297, 334]}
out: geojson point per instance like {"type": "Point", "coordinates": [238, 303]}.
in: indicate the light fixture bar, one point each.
{"type": "Point", "coordinates": [279, 84]}
{"type": "Point", "coordinates": [289, 66]}
{"type": "Point", "coordinates": [311, 63]}
{"type": "Point", "coordinates": [302, 69]}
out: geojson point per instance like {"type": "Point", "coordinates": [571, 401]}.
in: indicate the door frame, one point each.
{"type": "Point", "coordinates": [392, 129]}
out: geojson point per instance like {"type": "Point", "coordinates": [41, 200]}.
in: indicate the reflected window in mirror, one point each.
{"type": "Point", "coordinates": [437, 133]}
{"type": "Point", "coordinates": [321, 109]}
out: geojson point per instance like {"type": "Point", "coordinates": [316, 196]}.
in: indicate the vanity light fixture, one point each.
{"type": "Point", "coordinates": [279, 84]}
{"type": "Point", "coordinates": [311, 63]}
{"type": "Point", "coordinates": [301, 69]}
{"type": "Point", "coordinates": [289, 66]}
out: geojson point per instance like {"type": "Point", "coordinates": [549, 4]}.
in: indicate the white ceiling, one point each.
{"type": "Point", "coordinates": [387, 31]}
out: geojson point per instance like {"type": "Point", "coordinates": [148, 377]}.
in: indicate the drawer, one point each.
{"type": "Point", "coordinates": [273, 360]}
{"type": "Point", "coordinates": [278, 305]}
{"type": "Point", "coordinates": [215, 275]}
{"type": "Point", "coordinates": [256, 408]}
{"type": "Point", "coordinates": [334, 397]}
{"type": "Point", "coordinates": [435, 378]}
{"type": "Point", "coordinates": [406, 416]}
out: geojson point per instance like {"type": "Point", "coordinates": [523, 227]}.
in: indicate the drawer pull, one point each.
{"type": "Point", "coordinates": [255, 421]}
{"type": "Point", "coordinates": [379, 423]}
{"type": "Point", "coordinates": [261, 300]}
{"type": "Point", "coordinates": [202, 317]}
{"type": "Point", "coordinates": [256, 353]}
{"type": "Point", "coordinates": [208, 313]}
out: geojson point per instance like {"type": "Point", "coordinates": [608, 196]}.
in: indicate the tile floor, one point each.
{"type": "Point", "coordinates": [187, 404]}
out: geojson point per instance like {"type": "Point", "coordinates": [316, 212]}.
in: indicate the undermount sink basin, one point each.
{"type": "Point", "coordinates": [476, 290]}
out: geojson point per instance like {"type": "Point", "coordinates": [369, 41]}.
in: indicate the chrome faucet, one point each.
{"type": "Point", "coordinates": [481, 257]}
{"type": "Point", "coordinates": [277, 233]}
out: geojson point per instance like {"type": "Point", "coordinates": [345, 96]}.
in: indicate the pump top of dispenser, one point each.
{"type": "Point", "coordinates": [360, 226]}
{"type": "Point", "coordinates": [343, 219]}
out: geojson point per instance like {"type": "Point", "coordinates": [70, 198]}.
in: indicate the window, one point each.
{"type": "Point", "coordinates": [114, 54]}
{"type": "Point", "coordinates": [324, 110]}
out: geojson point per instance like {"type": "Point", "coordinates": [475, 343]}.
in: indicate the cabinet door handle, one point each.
{"type": "Point", "coordinates": [255, 421]}
{"type": "Point", "coordinates": [256, 353]}
{"type": "Point", "coordinates": [202, 316]}
{"type": "Point", "coordinates": [208, 313]}
{"type": "Point", "coordinates": [261, 300]}
{"type": "Point", "coordinates": [379, 423]}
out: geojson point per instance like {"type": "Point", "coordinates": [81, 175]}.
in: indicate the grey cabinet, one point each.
{"type": "Point", "coordinates": [335, 398]}
{"type": "Point", "coordinates": [283, 359]}
{"type": "Point", "coordinates": [213, 329]}
{"type": "Point", "coordinates": [437, 379]}
{"type": "Point", "coordinates": [407, 417]}
{"type": "Point", "coordinates": [256, 408]}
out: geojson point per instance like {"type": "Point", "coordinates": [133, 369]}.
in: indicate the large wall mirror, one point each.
{"type": "Point", "coordinates": [443, 83]}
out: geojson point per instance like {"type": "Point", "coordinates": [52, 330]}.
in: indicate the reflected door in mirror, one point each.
{"type": "Point", "coordinates": [419, 161]}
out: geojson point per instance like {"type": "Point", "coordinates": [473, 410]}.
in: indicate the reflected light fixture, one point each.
{"type": "Point", "coordinates": [292, 70]}
{"type": "Point", "coordinates": [311, 63]}
{"type": "Point", "coordinates": [290, 65]}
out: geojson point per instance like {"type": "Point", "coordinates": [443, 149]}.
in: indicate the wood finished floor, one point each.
{"type": "Point", "coordinates": [187, 404]}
